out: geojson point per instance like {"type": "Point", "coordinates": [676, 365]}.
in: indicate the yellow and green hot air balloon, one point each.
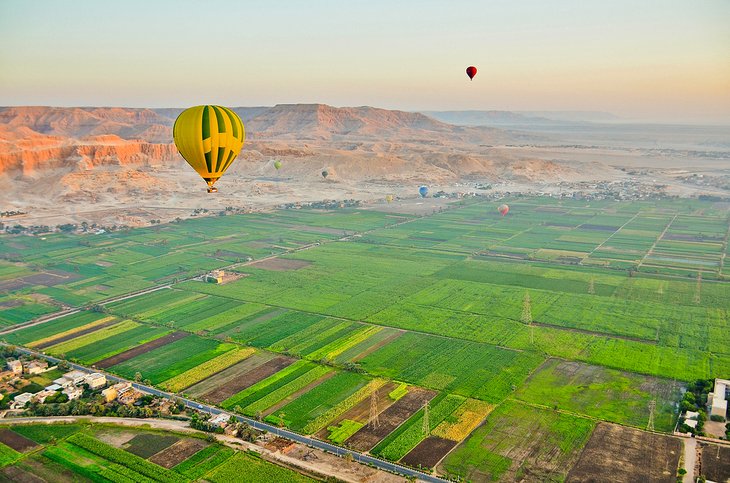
{"type": "Point", "coordinates": [209, 138]}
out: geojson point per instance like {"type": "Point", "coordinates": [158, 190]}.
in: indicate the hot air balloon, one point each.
{"type": "Point", "coordinates": [389, 198]}
{"type": "Point", "coordinates": [277, 165]}
{"type": "Point", "coordinates": [471, 71]}
{"type": "Point", "coordinates": [209, 138]}
{"type": "Point", "coordinates": [423, 191]}
{"type": "Point", "coordinates": [325, 173]}
{"type": "Point", "coordinates": [503, 209]}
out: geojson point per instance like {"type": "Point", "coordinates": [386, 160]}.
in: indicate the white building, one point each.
{"type": "Point", "coordinates": [691, 423]}
{"type": "Point", "coordinates": [691, 415]}
{"type": "Point", "coordinates": [75, 377]}
{"type": "Point", "coordinates": [717, 400]}
{"type": "Point", "coordinates": [21, 400]}
{"type": "Point", "coordinates": [63, 382]}
{"type": "Point", "coordinates": [73, 392]}
{"type": "Point", "coordinates": [54, 387]}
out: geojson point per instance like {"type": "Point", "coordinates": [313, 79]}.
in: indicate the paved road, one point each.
{"type": "Point", "coordinates": [359, 457]}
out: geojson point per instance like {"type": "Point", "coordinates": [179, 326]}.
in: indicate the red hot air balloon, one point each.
{"type": "Point", "coordinates": [503, 209]}
{"type": "Point", "coordinates": [471, 71]}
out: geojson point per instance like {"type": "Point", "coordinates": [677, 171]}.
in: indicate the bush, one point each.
{"type": "Point", "coordinates": [718, 418]}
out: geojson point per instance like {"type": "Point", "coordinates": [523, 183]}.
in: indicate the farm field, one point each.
{"type": "Point", "coordinates": [561, 312]}
{"type": "Point", "coordinates": [519, 441]}
{"type": "Point", "coordinates": [603, 393]}
{"type": "Point", "coordinates": [81, 452]}
{"type": "Point", "coordinates": [629, 455]}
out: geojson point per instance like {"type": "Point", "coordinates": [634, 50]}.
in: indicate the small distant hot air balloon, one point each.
{"type": "Point", "coordinates": [389, 198]}
{"type": "Point", "coordinates": [423, 191]}
{"type": "Point", "coordinates": [503, 209]}
{"type": "Point", "coordinates": [277, 165]}
{"type": "Point", "coordinates": [209, 138]}
{"type": "Point", "coordinates": [471, 71]}
{"type": "Point", "coordinates": [325, 173]}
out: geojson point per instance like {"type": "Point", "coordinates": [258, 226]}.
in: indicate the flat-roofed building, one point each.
{"type": "Point", "coordinates": [718, 399]}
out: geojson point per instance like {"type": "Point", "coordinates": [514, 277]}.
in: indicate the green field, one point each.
{"type": "Point", "coordinates": [77, 452]}
{"type": "Point", "coordinates": [164, 362]}
{"type": "Point", "coordinates": [517, 440]}
{"type": "Point", "coordinates": [321, 399]}
{"type": "Point", "coordinates": [602, 393]}
{"type": "Point", "coordinates": [616, 315]}
{"type": "Point", "coordinates": [249, 468]}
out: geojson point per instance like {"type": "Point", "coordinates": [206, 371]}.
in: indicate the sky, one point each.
{"type": "Point", "coordinates": [659, 60]}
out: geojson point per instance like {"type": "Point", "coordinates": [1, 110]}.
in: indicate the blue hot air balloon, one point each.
{"type": "Point", "coordinates": [423, 191]}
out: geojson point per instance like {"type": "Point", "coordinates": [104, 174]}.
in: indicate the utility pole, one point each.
{"type": "Point", "coordinates": [426, 426]}
{"type": "Point", "coordinates": [527, 316]}
{"type": "Point", "coordinates": [374, 420]}
{"type": "Point", "coordinates": [652, 407]}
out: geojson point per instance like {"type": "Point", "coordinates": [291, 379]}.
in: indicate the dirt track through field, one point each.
{"type": "Point", "coordinates": [367, 437]}
{"type": "Point", "coordinates": [220, 394]}
{"type": "Point", "coordinates": [280, 264]}
{"type": "Point", "coordinates": [140, 349]}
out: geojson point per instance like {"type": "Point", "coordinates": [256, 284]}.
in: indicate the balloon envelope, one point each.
{"type": "Point", "coordinates": [277, 164]}
{"type": "Point", "coordinates": [325, 174]}
{"type": "Point", "coordinates": [389, 198]}
{"type": "Point", "coordinates": [209, 138]}
{"type": "Point", "coordinates": [503, 209]}
{"type": "Point", "coordinates": [423, 191]}
{"type": "Point", "coordinates": [471, 71]}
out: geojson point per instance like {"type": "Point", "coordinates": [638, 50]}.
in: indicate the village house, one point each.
{"type": "Point", "coordinates": [75, 377]}
{"type": "Point", "coordinates": [220, 420]}
{"type": "Point", "coordinates": [54, 387]}
{"type": "Point", "coordinates": [21, 400]}
{"type": "Point", "coordinates": [73, 392]}
{"type": "Point", "coordinates": [110, 394]}
{"type": "Point", "coordinates": [717, 399]}
{"type": "Point", "coordinates": [41, 396]}
{"type": "Point", "coordinates": [36, 367]}
{"type": "Point", "coordinates": [15, 366]}
{"type": "Point", "coordinates": [63, 382]}
{"type": "Point", "coordinates": [96, 380]}
{"type": "Point", "coordinates": [216, 276]}
{"type": "Point", "coordinates": [129, 396]}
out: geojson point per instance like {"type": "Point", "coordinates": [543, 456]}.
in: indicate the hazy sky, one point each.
{"type": "Point", "coordinates": [651, 59]}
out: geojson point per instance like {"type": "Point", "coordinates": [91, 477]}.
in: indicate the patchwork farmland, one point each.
{"type": "Point", "coordinates": [83, 452]}
{"type": "Point", "coordinates": [439, 343]}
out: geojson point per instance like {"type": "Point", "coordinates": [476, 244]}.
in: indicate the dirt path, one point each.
{"type": "Point", "coordinates": [690, 459]}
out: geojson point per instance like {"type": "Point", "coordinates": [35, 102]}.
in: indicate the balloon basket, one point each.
{"type": "Point", "coordinates": [212, 189]}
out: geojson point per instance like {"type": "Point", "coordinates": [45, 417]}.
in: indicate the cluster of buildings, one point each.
{"type": "Point", "coordinates": [71, 384]}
